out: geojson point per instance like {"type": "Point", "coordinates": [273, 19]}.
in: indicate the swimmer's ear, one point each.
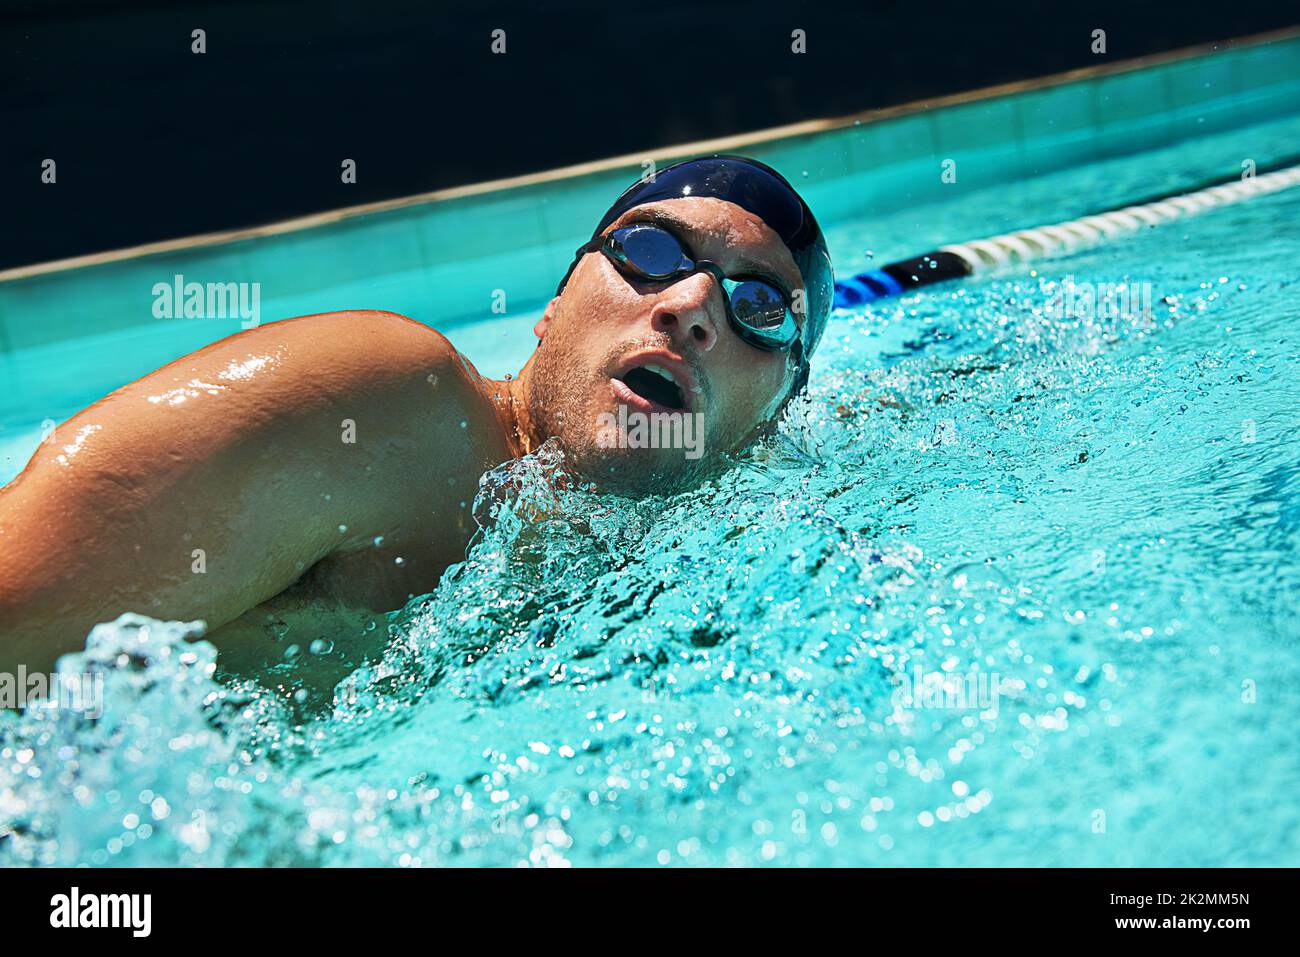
{"type": "Point", "coordinates": [544, 323]}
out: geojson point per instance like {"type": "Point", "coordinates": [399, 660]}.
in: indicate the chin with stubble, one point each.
{"type": "Point", "coordinates": [578, 408]}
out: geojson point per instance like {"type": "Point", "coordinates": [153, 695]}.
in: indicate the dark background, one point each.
{"type": "Point", "coordinates": [154, 142]}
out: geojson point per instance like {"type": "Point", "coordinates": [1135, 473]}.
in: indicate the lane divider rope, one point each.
{"type": "Point", "coordinates": [999, 252]}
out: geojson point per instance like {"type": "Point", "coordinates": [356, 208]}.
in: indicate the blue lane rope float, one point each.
{"type": "Point", "coordinates": [998, 252]}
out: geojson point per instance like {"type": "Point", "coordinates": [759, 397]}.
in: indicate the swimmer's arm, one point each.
{"type": "Point", "coordinates": [211, 485]}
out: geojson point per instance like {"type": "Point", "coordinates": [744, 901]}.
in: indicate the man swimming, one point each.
{"type": "Point", "coordinates": [331, 461]}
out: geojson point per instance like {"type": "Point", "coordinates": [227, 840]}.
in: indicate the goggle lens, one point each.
{"type": "Point", "coordinates": [653, 252]}
{"type": "Point", "coordinates": [758, 305]}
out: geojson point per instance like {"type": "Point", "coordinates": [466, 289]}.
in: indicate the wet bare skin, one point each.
{"type": "Point", "coordinates": [239, 450]}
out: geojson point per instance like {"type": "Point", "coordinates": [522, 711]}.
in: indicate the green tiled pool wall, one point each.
{"type": "Point", "coordinates": [447, 262]}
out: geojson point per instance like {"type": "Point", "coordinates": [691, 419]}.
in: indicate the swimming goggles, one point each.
{"type": "Point", "coordinates": [760, 312]}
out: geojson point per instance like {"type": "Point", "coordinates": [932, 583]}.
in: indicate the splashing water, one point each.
{"type": "Point", "coordinates": [1007, 588]}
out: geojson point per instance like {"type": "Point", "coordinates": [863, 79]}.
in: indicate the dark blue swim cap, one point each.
{"type": "Point", "coordinates": [761, 190]}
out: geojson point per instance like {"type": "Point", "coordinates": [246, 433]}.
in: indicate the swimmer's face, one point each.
{"type": "Point", "coordinates": [607, 339]}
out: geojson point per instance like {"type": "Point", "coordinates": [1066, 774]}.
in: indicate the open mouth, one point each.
{"type": "Point", "coordinates": [655, 384]}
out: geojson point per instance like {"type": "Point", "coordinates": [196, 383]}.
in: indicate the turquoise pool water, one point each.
{"type": "Point", "coordinates": [1091, 521]}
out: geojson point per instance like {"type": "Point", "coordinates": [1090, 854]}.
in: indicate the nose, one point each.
{"type": "Point", "coordinates": [689, 310]}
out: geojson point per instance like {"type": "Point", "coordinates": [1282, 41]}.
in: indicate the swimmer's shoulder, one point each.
{"type": "Point", "coordinates": [444, 398]}
{"type": "Point", "coordinates": [271, 451]}
{"type": "Point", "coordinates": [371, 344]}
{"type": "Point", "coordinates": [377, 386]}
{"type": "Point", "coordinates": [412, 374]}
{"type": "Point", "coordinates": [387, 360]}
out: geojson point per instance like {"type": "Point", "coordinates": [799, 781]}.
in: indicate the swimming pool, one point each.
{"type": "Point", "coordinates": [1089, 522]}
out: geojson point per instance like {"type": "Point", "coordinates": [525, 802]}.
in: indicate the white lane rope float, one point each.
{"type": "Point", "coordinates": [1000, 252]}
